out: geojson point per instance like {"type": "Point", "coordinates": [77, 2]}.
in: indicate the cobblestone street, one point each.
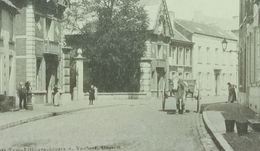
{"type": "Point", "coordinates": [128, 125]}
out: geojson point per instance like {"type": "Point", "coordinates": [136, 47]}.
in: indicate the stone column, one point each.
{"type": "Point", "coordinates": [79, 75]}
{"type": "Point", "coordinates": [30, 45]}
{"type": "Point", "coordinates": [66, 96]}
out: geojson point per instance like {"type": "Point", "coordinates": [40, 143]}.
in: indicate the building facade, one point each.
{"type": "Point", "coordinates": [40, 58]}
{"type": "Point", "coordinates": [249, 58]}
{"type": "Point", "coordinates": [7, 48]}
{"type": "Point", "coordinates": [168, 54]}
{"type": "Point", "coordinates": [212, 67]}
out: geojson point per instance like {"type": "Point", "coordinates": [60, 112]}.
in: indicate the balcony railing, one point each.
{"type": "Point", "coordinates": [47, 47]}
{"type": "Point", "coordinates": [52, 47]}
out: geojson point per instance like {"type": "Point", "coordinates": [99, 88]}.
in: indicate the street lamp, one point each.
{"type": "Point", "coordinates": [224, 44]}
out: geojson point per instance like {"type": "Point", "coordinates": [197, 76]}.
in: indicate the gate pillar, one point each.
{"type": "Point", "coordinates": [79, 75]}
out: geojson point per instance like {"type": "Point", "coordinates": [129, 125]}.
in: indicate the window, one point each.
{"type": "Point", "coordinates": [208, 80]}
{"type": "Point", "coordinates": [187, 57]}
{"type": "Point", "coordinates": [154, 47]}
{"type": "Point", "coordinates": [11, 27]}
{"type": "Point", "coordinates": [224, 54]}
{"type": "Point", "coordinates": [223, 81]}
{"type": "Point", "coordinates": [174, 55]}
{"type": "Point", "coordinates": [216, 56]}
{"type": "Point", "coordinates": [207, 55]}
{"type": "Point", "coordinates": [187, 76]}
{"type": "Point", "coordinates": [170, 51]}
{"type": "Point", "coordinates": [180, 75]}
{"type": "Point", "coordinates": [199, 54]}
{"type": "Point", "coordinates": [231, 78]}
{"type": "Point", "coordinates": [165, 50]}
{"type": "Point", "coordinates": [49, 29]}
{"type": "Point", "coordinates": [180, 57]}
{"type": "Point", "coordinates": [252, 58]}
{"type": "Point", "coordinates": [1, 74]}
{"type": "Point", "coordinates": [0, 21]}
{"type": "Point", "coordinates": [258, 57]}
{"type": "Point", "coordinates": [173, 75]}
{"type": "Point", "coordinates": [160, 51]}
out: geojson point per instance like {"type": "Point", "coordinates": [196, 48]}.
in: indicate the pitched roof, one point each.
{"type": "Point", "coordinates": [152, 8]}
{"type": "Point", "coordinates": [205, 29]}
{"type": "Point", "coordinates": [8, 3]}
{"type": "Point", "coordinates": [179, 37]}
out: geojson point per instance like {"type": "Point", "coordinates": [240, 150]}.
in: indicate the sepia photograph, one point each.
{"type": "Point", "coordinates": [129, 75]}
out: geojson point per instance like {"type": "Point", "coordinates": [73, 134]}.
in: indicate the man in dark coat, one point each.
{"type": "Point", "coordinates": [28, 89]}
{"type": "Point", "coordinates": [22, 95]}
{"type": "Point", "coordinates": [91, 95]}
{"type": "Point", "coordinates": [180, 94]}
{"type": "Point", "coordinates": [231, 93]}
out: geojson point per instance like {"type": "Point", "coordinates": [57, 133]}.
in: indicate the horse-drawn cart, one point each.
{"type": "Point", "coordinates": [190, 92]}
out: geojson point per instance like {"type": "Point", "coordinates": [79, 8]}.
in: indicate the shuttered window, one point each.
{"type": "Point", "coordinates": [257, 51]}
{"type": "Point", "coordinates": [0, 22]}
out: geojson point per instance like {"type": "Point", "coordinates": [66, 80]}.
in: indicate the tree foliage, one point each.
{"type": "Point", "coordinates": [114, 50]}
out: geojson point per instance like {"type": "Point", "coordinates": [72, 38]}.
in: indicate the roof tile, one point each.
{"type": "Point", "coordinates": [205, 29]}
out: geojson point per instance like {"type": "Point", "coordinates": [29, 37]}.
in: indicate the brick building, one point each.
{"type": "Point", "coordinates": [249, 58]}
{"type": "Point", "coordinates": [7, 48]}
{"type": "Point", "coordinates": [40, 58]}
{"type": "Point", "coordinates": [168, 54]}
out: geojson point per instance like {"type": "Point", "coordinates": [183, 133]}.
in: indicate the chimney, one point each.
{"type": "Point", "coordinates": [172, 17]}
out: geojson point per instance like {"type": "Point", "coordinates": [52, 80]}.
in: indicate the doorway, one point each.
{"type": "Point", "coordinates": [51, 74]}
{"type": "Point", "coordinates": [217, 78]}
{"type": "Point", "coordinates": [160, 80]}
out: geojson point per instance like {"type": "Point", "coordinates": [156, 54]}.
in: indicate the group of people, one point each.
{"type": "Point", "coordinates": [92, 94]}
{"type": "Point", "coordinates": [24, 94]}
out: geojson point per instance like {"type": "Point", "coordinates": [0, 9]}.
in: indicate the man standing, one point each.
{"type": "Point", "coordinates": [22, 95]}
{"type": "Point", "coordinates": [231, 93]}
{"type": "Point", "coordinates": [91, 95]}
{"type": "Point", "coordinates": [180, 96]}
{"type": "Point", "coordinates": [28, 96]}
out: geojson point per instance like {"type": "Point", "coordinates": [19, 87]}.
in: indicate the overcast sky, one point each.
{"type": "Point", "coordinates": [215, 8]}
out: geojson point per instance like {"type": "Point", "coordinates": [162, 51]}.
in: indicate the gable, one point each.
{"type": "Point", "coordinates": [163, 23]}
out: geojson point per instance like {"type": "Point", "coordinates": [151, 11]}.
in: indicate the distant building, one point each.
{"type": "Point", "coordinates": [225, 23]}
{"type": "Point", "coordinates": [168, 55]}
{"type": "Point", "coordinates": [40, 58]}
{"type": "Point", "coordinates": [212, 67]}
{"type": "Point", "coordinates": [7, 48]}
{"type": "Point", "coordinates": [249, 47]}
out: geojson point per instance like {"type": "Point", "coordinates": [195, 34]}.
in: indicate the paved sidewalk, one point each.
{"type": "Point", "coordinates": [41, 111]}
{"type": "Point", "coordinates": [213, 99]}
{"type": "Point", "coordinates": [215, 124]}
{"type": "Point", "coordinates": [214, 118]}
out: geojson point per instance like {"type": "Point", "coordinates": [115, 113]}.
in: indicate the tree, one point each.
{"type": "Point", "coordinates": [114, 50]}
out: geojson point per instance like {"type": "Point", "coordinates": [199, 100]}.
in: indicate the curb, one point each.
{"type": "Point", "coordinates": [48, 115]}
{"type": "Point", "coordinates": [205, 138]}
{"type": "Point", "coordinates": [218, 138]}
{"type": "Point", "coordinates": [20, 122]}
{"type": "Point", "coordinates": [204, 106]}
